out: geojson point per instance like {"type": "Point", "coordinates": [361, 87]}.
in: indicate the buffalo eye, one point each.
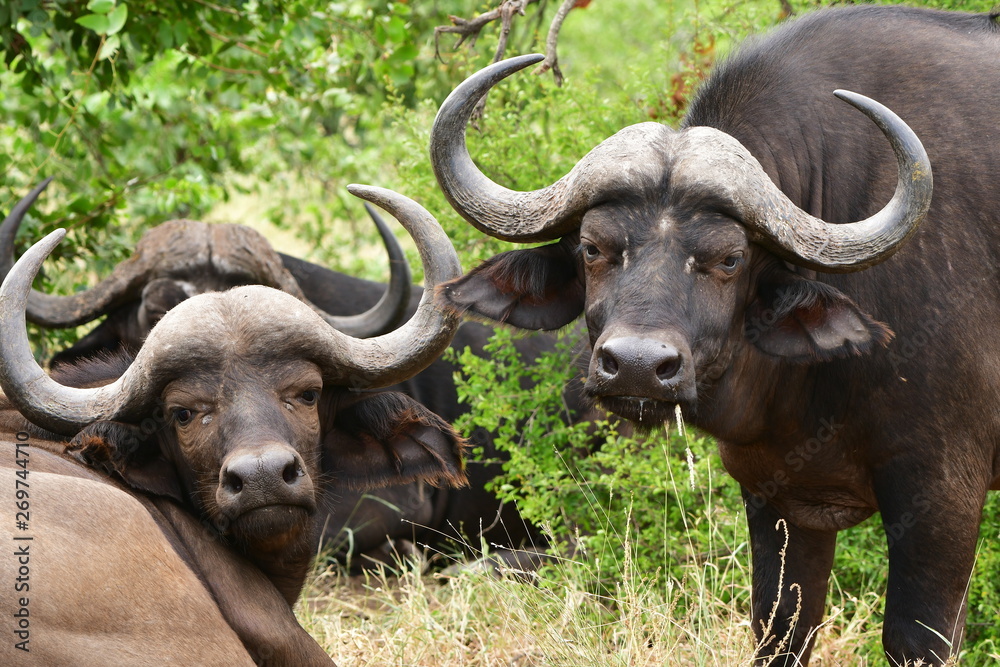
{"type": "Point", "coordinates": [590, 252]}
{"type": "Point", "coordinates": [730, 264]}
{"type": "Point", "coordinates": [310, 396]}
{"type": "Point", "coordinates": [183, 416]}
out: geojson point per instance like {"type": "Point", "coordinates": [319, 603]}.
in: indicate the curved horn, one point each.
{"type": "Point", "coordinates": [810, 242]}
{"type": "Point", "coordinates": [385, 315]}
{"type": "Point", "coordinates": [10, 225]}
{"type": "Point", "coordinates": [400, 354]}
{"type": "Point", "coordinates": [40, 398]}
{"type": "Point", "coordinates": [128, 278]}
{"type": "Point", "coordinates": [62, 312]}
{"type": "Point", "coordinates": [635, 152]}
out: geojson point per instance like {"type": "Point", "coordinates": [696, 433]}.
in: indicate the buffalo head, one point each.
{"type": "Point", "coordinates": [678, 248]}
{"type": "Point", "coordinates": [181, 258]}
{"type": "Point", "coordinates": [240, 403]}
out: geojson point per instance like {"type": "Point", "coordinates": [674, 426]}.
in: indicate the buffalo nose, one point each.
{"type": "Point", "coordinates": [270, 469]}
{"type": "Point", "coordinates": [638, 365]}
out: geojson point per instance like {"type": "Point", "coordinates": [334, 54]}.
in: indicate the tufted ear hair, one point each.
{"type": "Point", "coordinates": [128, 453]}
{"type": "Point", "coordinates": [386, 438]}
{"type": "Point", "coordinates": [808, 321]}
{"type": "Point", "coordinates": [537, 288]}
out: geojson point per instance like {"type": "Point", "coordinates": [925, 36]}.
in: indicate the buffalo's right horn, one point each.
{"type": "Point", "coordinates": [632, 155]}
{"type": "Point", "coordinates": [65, 311]}
{"type": "Point", "coordinates": [41, 399]}
{"type": "Point", "coordinates": [385, 315]}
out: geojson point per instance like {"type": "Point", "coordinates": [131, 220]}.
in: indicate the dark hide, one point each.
{"type": "Point", "coordinates": [380, 526]}
{"type": "Point", "coordinates": [822, 415]}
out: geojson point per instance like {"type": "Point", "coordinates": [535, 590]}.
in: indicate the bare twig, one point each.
{"type": "Point", "coordinates": [469, 29]}
{"type": "Point", "coordinates": [508, 8]}
{"type": "Point", "coordinates": [218, 8]}
{"type": "Point", "coordinates": [551, 57]}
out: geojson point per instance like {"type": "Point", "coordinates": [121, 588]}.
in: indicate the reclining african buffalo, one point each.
{"type": "Point", "coordinates": [846, 368]}
{"type": "Point", "coordinates": [185, 535]}
{"type": "Point", "coordinates": [182, 258]}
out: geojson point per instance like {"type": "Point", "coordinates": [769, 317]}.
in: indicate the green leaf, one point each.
{"type": "Point", "coordinates": [180, 34]}
{"type": "Point", "coordinates": [100, 6]}
{"type": "Point", "coordinates": [165, 36]}
{"type": "Point", "coordinates": [96, 22]}
{"type": "Point", "coordinates": [116, 19]}
{"type": "Point", "coordinates": [110, 47]}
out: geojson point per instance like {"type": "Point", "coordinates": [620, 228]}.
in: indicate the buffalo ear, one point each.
{"type": "Point", "coordinates": [124, 451]}
{"type": "Point", "coordinates": [536, 288]}
{"type": "Point", "coordinates": [807, 321]}
{"type": "Point", "coordinates": [388, 438]}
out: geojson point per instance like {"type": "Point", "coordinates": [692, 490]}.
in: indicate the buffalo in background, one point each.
{"type": "Point", "coordinates": [181, 258]}
{"type": "Point", "coordinates": [186, 533]}
{"type": "Point", "coordinates": [846, 368]}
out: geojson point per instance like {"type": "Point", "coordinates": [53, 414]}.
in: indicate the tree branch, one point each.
{"type": "Point", "coordinates": [551, 61]}
{"type": "Point", "coordinates": [469, 29]}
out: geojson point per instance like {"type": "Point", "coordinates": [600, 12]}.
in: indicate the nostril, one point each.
{"type": "Point", "coordinates": [668, 369]}
{"type": "Point", "coordinates": [291, 472]}
{"type": "Point", "coordinates": [233, 482]}
{"type": "Point", "coordinates": [608, 363]}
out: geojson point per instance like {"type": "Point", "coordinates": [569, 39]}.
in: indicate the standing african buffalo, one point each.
{"type": "Point", "coordinates": [707, 282]}
{"type": "Point", "coordinates": [186, 535]}
{"type": "Point", "coordinates": [181, 258]}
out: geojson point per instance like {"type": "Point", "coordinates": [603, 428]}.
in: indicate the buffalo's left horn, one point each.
{"type": "Point", "coordinates": [400, 354]}
{"type": "Point", "coordinates": [810, 242]}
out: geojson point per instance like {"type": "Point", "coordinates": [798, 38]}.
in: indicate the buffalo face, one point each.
{"type": "Point", "coordinates": [674, 293]}
{"type": "Point", "coordinates": [663, 287]}
{"type": "Point", "coordinates": [251, 446]}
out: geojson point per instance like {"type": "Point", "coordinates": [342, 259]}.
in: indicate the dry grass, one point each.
{"type": "Point", "coordinates": [471, 619]}
{"type": "Point", "coordinates": [411, 618]}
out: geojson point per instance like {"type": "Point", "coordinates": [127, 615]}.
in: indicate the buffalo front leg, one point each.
{"type": "Point", "coordinates": [931, 532]}
{"type": "Point", "coordinates": [791, 567]}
